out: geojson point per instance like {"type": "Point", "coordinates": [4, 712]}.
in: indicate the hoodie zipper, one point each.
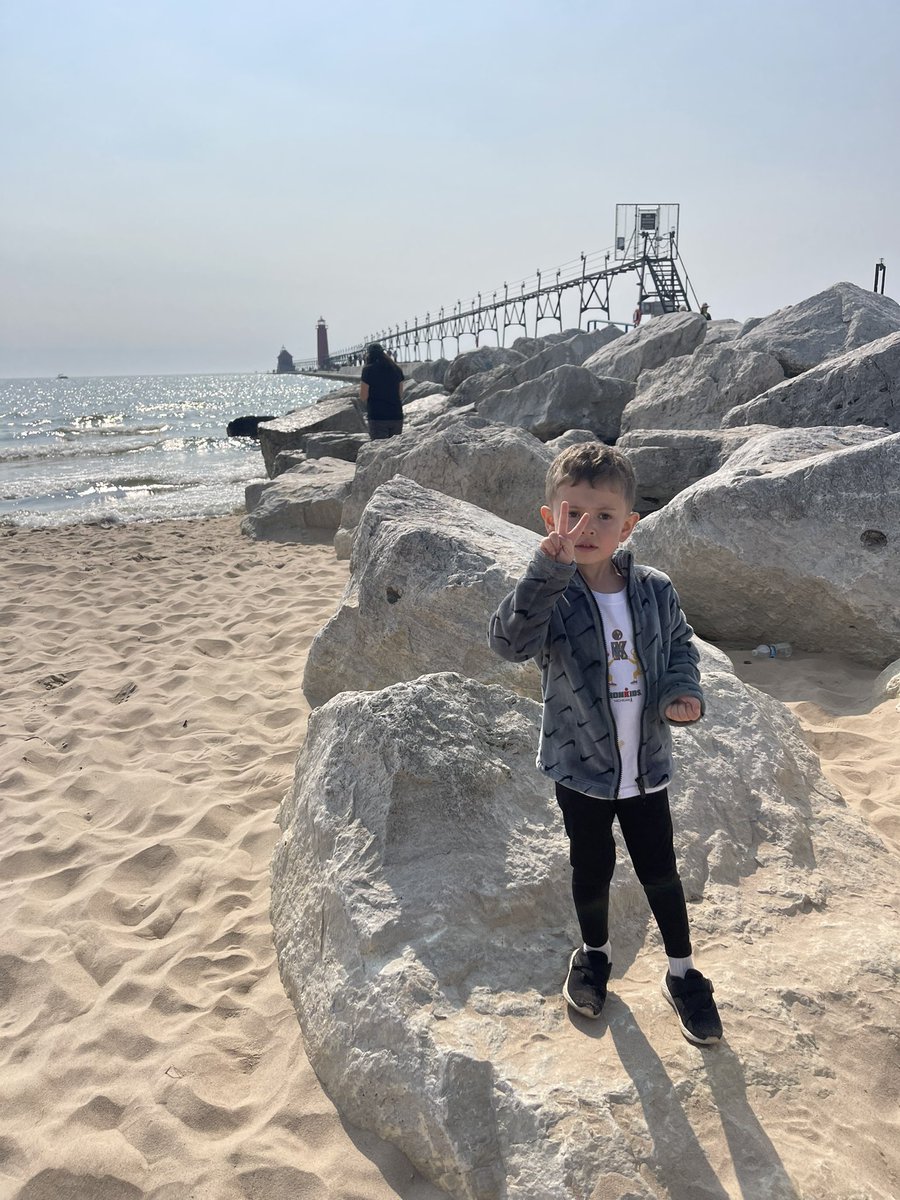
{"type": "Point", "coordinates": [628, 564]}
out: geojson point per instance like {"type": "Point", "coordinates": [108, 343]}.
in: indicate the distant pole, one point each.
{"type": "Point", "coordinates": [879, 276]}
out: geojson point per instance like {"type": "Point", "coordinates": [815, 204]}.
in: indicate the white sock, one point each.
{"type": "Point", "coordinates": [681, 966]}
{"type": "Point", "coordinates": [607, 950]}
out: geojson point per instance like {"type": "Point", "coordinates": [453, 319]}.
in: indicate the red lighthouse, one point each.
{"type": "Point", "coordinates": [322, 343]}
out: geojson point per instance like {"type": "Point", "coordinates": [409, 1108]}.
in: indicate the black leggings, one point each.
{"type": "Point", "coordinates": [646, 825]}
{"type": "Point", "coordinates": [385, 429]}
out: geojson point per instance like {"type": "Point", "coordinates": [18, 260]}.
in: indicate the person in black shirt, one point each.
{"type": "Point", "coordinates": [381, 390]}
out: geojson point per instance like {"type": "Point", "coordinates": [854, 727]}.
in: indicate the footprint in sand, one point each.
{"type": "Point", "coordinates": [214, 647]}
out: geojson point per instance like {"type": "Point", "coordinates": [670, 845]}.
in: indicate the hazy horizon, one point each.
{"type": "Point", "coordinates": [191, 186]}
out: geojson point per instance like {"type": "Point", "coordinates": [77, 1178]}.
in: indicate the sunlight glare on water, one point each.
{"type": "Point", "coordinates": [134, 448]}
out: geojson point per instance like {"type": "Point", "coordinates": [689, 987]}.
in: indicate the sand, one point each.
{"type": "Point", "coordinates": [856, 736]}
{"type": "Point", "coordinates": [151, 713]}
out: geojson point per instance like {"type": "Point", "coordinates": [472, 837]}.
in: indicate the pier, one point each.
{"type": "Point", "coordinates": [646, 246]}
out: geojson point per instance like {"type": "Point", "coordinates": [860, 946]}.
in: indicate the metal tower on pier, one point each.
{"type": "Point", "coordinates": [647, 239]}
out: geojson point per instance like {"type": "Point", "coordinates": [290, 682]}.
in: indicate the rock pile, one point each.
{"type": "Point", "coordinates": [422, 921]}
{"type": "Point", "coordinates": [695, 391]}
{"type": "Point", "coordinates": [307, 496]}
{"type": "Point", "coordinates": [420, 887]}
{"type": "Point", "coordinates": [571, 350]}
{"type": "Point", "coordinates": [330, 414]}
{"type": "Point", "coordinates": [648, 346]}
{"type": "Point", "coordinates": [563, 398]}
{"type": "Point", "coordinates": [859, 387]}
{"type": "Point", "coordinates": [842, 318]}
{"type": "Point", "coordinates": [498, 467]}
{"type": "Point", "coordinates": [681, 396]}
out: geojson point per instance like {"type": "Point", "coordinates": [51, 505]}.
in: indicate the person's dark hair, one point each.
{"type": "Point", "coordinates": [593, 463]}
{"type": "Point", "coordinates": [375, 352]}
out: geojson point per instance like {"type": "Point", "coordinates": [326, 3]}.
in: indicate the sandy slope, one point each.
{"type": "Point", "coordinates": [150, 712]}
{"type": "Point", "coordinates": [856, 737]}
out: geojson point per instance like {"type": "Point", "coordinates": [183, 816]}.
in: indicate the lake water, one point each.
{"type": "Point", "coordinates": [134, 448]}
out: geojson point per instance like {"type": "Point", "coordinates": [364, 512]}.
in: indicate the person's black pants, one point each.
{"type": "Point", "coordinates": [384, 429]}
{"type": "Point", "coordinates": [646, 825]}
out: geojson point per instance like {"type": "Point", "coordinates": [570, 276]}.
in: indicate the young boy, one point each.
{"type": "Point", "coordinates": [618, 666]}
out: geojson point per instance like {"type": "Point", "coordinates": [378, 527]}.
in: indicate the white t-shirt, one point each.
{"type": "Point", "coordinates": [626, 684]}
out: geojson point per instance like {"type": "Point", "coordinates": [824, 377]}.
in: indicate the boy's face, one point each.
{"type": "Point", "coordinates": [610, 519]}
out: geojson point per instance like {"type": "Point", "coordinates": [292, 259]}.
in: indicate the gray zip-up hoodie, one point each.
{"type": "Point", "coordinates": [553, 617]}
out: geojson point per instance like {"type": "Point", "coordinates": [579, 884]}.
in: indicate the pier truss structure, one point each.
{"type": "Point", "coordinates": [646, 245]}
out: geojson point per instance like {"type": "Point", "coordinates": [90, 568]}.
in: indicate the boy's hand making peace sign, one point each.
{"type": "Point", "coordinates": [560, 543]}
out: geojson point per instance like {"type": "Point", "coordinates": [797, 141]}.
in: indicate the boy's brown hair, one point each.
{"type": "Point", "coordinates": [593, 463]}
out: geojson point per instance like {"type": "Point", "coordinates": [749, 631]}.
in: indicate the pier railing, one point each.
{"type": "Point", "coordinates": [658, 266]}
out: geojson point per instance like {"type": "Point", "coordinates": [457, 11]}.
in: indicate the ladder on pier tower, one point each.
{"type": "Point", "coordinates": [647, 240]}
{"type": "Point", "coordinates": [667, 283]}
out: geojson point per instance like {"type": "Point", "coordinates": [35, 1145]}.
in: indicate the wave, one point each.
{"type": "Point", "coordinates": [52, 453]}
{"type": "Point", "coordinates": [79, 429]}
{"type": "Point", "coordinates": [98, 419]}
{"type": "Point", "coordinates": [68, 452]}
{"type": "Point", "coordinates": [120, 505]}
{"type": "Point", "coordinates": [138, 484]}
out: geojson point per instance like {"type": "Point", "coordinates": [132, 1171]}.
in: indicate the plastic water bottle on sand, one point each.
{"type": "Point", "coordinates": [773, 650]}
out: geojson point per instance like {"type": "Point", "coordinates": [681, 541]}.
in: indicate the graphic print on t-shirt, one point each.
{"type": "Point", "coordinates": [626, 683]}
{"type": "Point", "coordinates": [617, 647]}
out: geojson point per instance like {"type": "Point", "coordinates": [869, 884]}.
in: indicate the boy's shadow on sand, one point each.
{"type": "Point", "coordinates": [681, 1161]}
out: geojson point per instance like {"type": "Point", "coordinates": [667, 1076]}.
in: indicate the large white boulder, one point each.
{"type": "Point", "coordinates": [529, 346]}
{"type": "Point", "coordinates": [309, 496]}
{"type": "Point", "coordinates": [558, 335]}
{"type": "Point", "coordinates": [421, 390]}
{"type": "Point", "coordinates": [432, 371]}
{"type": "Point", "coordinates": [499, 468]}
{"type": "Point", "coordinates": [859, 387]}
{"type": "Point", "coordinates": [572, 437]}
{"type": "Point", "coordinates": [482, 358]}
{"type": "Point", "coordinates": [426, 572]}
{"type": "Point", "coordinates": [423, 920]}
{"type": "Point", "coordinates": [323, 445]}
{"type": "Point", "coordinates": [766, 445]}
{"type": "Point", "coordinates": [666, 461]}
{"type": "Point", "coordinates": [567, 397]}
{"type": "Point", "coordinates": [572, 350]}
{"type": "Point", "coordinates": [801, 551]}
{"type": "Point", "coordinates": [575, 345]}
{"type": "Point", "coordinates": [695, 391]}
{"type": "Point", "coordinates": [426, 408]}
{"type": "Point", "coordinates": [648, 346]}
{"type": "Point", "coordinates": [722, 331]}
{"type": "Point", "coordinates": [841, 318]}
{"type": "Point", "coordinates": [284, 461]}
{"type": "Point", "coordinates": [289, 432]}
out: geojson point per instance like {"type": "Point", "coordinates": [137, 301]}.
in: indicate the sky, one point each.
{"type": "Point", "coordinates": [189, 184]}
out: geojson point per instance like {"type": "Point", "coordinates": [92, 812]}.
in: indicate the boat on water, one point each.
{"type": "Point", "coordinates": [62, 377]}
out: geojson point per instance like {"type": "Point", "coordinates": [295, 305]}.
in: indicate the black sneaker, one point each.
{"type": "Point", "coordinates": [585, 986]}
{"type": "Point", "coordinates": [692, 999]}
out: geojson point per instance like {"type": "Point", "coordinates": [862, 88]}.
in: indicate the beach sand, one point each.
{"type": "Point", "coordinates": [854, 734]}
{"type": "Point", "coordinates": [151, 714]}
